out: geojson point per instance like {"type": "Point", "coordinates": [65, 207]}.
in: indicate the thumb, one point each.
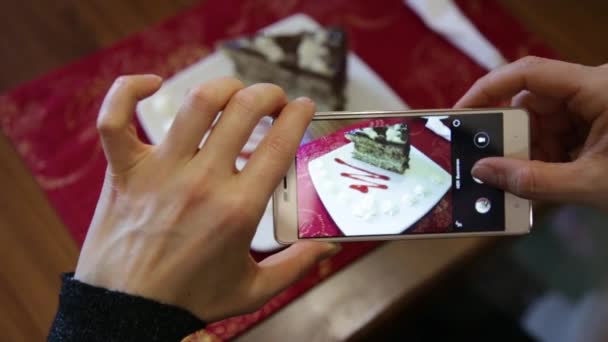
{"type": "Point", "coordinates": [282, 269]}
{"type": "Point", "coordinates": [115, 122]}
{"type": "Point", "coordinates": [532, 179]}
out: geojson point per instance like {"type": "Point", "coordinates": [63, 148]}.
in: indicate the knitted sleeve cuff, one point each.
{"type": "Point", "coordinates": [90, 313]}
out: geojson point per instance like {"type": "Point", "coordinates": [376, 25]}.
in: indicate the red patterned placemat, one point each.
{"type": "Point", "coordinates": [51, 121]}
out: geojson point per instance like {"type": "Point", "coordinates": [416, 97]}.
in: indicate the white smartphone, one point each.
{"type": "Point", "coordinates": [400, 175]}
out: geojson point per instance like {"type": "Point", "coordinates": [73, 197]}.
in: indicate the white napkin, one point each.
{"type": "Point", "coordinates": [445, 18]}
{"type": "Point", "coordinates": [435, 124]}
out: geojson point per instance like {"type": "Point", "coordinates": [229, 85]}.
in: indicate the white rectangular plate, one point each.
{"type": "Point", "coordinates": [408, 198]}
{"type": "Point", "coordinates": [364, 90]}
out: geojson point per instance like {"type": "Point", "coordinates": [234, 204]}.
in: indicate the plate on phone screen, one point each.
{"type": "Point", "coordinates": [392, 209]}
{"type": "Point", "coordinates": [365, 90]}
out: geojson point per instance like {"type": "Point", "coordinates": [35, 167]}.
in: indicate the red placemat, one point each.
{"type": "Point", "coordinates": [51, 121]}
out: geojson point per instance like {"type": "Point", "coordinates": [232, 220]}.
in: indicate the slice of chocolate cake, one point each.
{"type": "Point", "coordinates": [309, 64]}
{"type": "Point", "coordinates": [387, 147]}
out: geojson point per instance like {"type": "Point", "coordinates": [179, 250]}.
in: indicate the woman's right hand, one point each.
{"type": "Point", "coordinates": [568, 104]}
{"type": "Point", "coordinates": [174, 222]}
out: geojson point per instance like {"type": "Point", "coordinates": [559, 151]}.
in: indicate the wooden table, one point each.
{"type": "Point", "coordinates": [38, 35]}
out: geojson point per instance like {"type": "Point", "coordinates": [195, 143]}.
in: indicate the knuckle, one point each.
{"type": "Point", "coordinates": [245, 99]}
{"type": "Point", "coordinates": [194, 192]}
{"type": "Point", "coordinates": [269, 88]}
{"type": "Point", "coordinates": [258, 96]}
{"type": "Point", "coordinates": [486, 81]}
{"type": "Point", "coordinates": [526, 179]}
{"type": "Point", "coordinates": [106, 124]}
{"type": "Point", "coordinates": [237, 83]}
{"type": "Point", "coordinates": [203, 95]}
{"type": "Point", "coordinates": [276, 145]}
{"type": "Point", "coordinates": [530, 61]}
{"type": "Point", "coordinates": [482, 82]}
{"type": "Point", "coordinates": [587, 178]}
{"type": "Point", "coordinates": [197, 188]}
{"type": "Point", "coordinates": [238, 211]}
{"type": "Point", "coordinates": [279, 93]}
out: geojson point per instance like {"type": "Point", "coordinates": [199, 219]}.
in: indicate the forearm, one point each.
{"type": "Point", "coordinates": [89, 313]}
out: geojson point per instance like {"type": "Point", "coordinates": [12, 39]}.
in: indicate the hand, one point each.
{"type": "Point", "coordinates": [174, 223]}
{"type": "Point", "coordinates": [568, 104]}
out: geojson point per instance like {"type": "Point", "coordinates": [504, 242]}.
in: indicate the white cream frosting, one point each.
{"type": "Point", "coordinates": [321, 36]}
{"type": "Point", "coordinates": [269, 48]}
{"type": "Point", "coordinates": [419, 190]}
{"type": "Point", "coordinates": [389, 208]}
{"type": "Point", "coordinates": [393, 134]}
{"type": "Point", "coordinates": [312, 53]}
{"type": "Point", "coordinates": [409, 200]}
{"type": "Point", "coordinates": [365, 209]}
{"type": "Point", "coordinates": [370, 132]}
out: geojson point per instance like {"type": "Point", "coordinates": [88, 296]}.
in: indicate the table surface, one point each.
{"type": "Point", "coordinates": [37, 36]}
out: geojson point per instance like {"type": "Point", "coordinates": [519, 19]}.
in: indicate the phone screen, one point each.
{"type": "Point", "coordinates": [398, 175]}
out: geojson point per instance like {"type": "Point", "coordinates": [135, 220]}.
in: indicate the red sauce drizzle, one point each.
{"type": "Point", "coordinates": [364, 188]}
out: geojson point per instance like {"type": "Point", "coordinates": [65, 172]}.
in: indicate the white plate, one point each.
{"type": "Point", "coordinates": [408, 198]}
{"type": "Point", "coordinates": [364, 91]}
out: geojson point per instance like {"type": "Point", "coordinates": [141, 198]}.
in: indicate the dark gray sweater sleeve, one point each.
{"type": "Point", "coordinates": [90, 313]}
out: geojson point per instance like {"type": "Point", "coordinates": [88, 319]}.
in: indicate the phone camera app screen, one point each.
{"type": "Point", "coordinates": [397, 175]}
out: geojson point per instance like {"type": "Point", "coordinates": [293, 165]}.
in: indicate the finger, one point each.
{"type": "Point", "coordinates": [544, 77]}
{"type": "Point", "coordinates": [540, 107]}
{"type": "Point", "coordinates": [196, 115]}
{"type": "Point", "coordinates": [242, 114]}
{"type": "Point", "coordinates": [534, 180]}
{"type": "Point", "coordinates": [275, 153]}
{"type": "Point", "coordinates": [115, 122]}
{"type": "Point", "coordinates": [537, 104]}
{"type": "Point", "coordinates": [280, 270]}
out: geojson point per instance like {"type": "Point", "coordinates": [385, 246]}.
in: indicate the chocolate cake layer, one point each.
{"type": "Point", "coordinates": [309, 64]}
{"type": "Point", "coordinates": [387, 147]}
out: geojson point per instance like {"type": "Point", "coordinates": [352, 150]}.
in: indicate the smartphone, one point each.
{"type": "Point", "coordinates": [402, 175]}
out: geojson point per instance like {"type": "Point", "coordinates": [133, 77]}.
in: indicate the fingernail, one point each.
{"type": "Point", "coordinates": [155, 77]}
{"type": "Point", "coordinates": [485, 173]}
{"type": "Point", "coordinates": [334, 249]}
{"type": "Point", "coordinates": [303, 99]}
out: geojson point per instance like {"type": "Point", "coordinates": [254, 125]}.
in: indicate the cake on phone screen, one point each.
{"type": "Point", "coordinates": [386, 147]}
